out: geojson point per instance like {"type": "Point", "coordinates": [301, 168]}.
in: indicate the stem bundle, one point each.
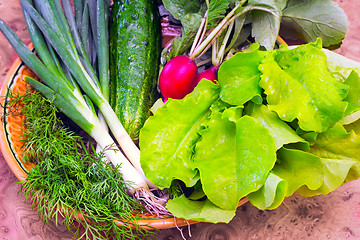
{"type": "Point", "coordinates": [201, 45]}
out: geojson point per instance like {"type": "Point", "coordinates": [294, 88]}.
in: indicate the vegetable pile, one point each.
{"type": "Point", "coordinates": [237, 115]}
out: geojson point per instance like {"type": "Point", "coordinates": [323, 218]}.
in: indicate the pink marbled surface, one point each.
{"type": "Point", "coordinates": [332, 216]}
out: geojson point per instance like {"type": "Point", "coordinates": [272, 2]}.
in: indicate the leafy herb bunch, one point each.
{"type": "Point", "coordinates": [71, 183]}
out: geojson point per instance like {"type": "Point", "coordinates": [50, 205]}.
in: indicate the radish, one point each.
{"type": "Point", "coordinates": [178, 77]}
{"type": "Point", "coordinates": [209, 74]}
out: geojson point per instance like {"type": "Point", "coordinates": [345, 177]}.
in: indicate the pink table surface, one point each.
{"type": "Point", "coordinates": [332, 216]}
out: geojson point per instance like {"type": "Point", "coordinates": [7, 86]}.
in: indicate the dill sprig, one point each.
{"type": "Point", "coordinates": [71, 180]}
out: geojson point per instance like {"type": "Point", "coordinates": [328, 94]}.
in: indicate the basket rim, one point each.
{"type": "Point", "coordinates": [4, 142]}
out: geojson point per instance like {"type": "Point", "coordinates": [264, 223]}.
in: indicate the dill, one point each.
{"type": "Point", "coordinates": [71, 180]}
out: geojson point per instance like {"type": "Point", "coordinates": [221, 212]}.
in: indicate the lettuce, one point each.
{"type": "Point", "coordinates": [276, 123]}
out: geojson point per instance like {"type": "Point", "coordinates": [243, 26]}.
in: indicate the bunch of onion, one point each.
{"type": "Point", "coordinates": [68, 78]}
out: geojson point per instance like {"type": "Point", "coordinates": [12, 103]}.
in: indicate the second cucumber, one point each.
{"type": "Point", "coordinates": [135, 48]}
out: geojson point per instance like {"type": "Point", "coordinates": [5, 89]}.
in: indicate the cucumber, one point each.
{"type": "Point", "coordinates": [135, 48]}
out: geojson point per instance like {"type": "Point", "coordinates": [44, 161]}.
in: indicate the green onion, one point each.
{"type": "Point", "coordinates": [85, 31]}
{"type": "Point", "coordinates": [79, 8]}
{"type": "Point", "coordinates": [64, 91]}
{"type": "Point", "coordinates": [102, 46]}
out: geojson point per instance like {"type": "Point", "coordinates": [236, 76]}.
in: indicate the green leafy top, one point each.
{"type": "Point", "coordinates": [217, 8]}
{"type": "Point", "coordinates": [306, 20]}
{"type": "Point", "coordinates": [180, 8]}
{"type": "Point", "coordinates": [312, 19]}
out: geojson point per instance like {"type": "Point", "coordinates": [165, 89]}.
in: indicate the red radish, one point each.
{"type": "Point", "coordinates": [209, 74]}
{"type": "Point", "coordinates": [178, 77]}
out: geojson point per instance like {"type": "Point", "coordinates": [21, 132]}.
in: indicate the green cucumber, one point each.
{"type": "Point", "coordinates": [135, 48]}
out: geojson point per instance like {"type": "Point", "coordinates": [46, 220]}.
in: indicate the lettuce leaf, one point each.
{"type": "Point", "coordinates": [299, 168]}
{"type": "Point", "coordinates": [299, 86]}
{"type": "Point", "coordinates": [352, 112]}
{"type": "Point", "coordinates": [346, 71]}
{"type": "Point", "coordinates": [204, 211]}
{"type": "Point", "coordinates": [282, 132]}
{"type": "Point", "coordinates": [338, 140]}
{"type": "Point", "coordinates": [245, 153]}
{"type": "Point", "coordinates": [336, 169]}
{"type": "Point", "coordinates": [294, 169]}
{"type": "Point", "coordinates": [239, 78]}
{"type": "Point", "coordinates": [338, 60]}
{"type": "Point", "coordinates": [326, 166]}
{"type": "Point", "coordinates": [337, 143]}
{"type": "Point", "coordinates": [354, 126]}
{"type": "Point", "coordinates": [271, 194]}
{"type": "Point", "coordinates": [168, 138]}
{"type": "Point", "coordinates": [310, 137]}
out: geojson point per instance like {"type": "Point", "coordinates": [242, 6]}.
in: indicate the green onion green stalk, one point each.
{"type": "Point", "coordinates": [69, 78]}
